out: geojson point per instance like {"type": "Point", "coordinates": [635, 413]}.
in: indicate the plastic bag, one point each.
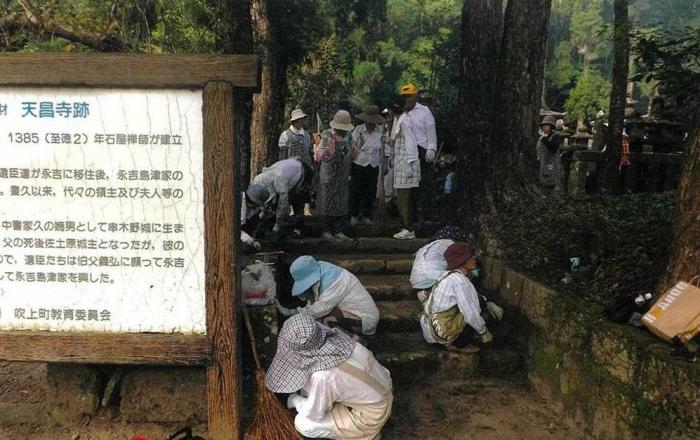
{"type": "Point", "coordinates": [258, 284]}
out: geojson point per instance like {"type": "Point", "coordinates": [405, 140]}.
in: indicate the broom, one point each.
{"type": "Point", "coordinates": [272, 421]}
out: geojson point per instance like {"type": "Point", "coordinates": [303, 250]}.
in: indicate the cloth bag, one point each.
{"type": "Point", "coordinates": [676, 312]}
{"type": "Point", "coordinates": [258, 284]}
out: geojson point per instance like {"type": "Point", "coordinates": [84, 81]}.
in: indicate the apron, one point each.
{"type": "Point", "coordinates": [445, 326]}
{"type": "Point", "coordinates": [361, 421]}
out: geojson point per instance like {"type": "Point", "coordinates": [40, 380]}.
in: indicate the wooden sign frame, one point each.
{"type": "Point", "coordinates": [219, 349]}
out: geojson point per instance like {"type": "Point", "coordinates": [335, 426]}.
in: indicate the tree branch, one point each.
{"type": "Point", "coordinates": [42, 24]}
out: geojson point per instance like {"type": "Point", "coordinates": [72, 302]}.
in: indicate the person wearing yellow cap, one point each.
{"type": "Point", "coordinates": [423, 123]}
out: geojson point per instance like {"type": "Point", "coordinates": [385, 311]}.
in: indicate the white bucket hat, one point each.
{"type": "Point", "coordinates": [342, 121]}
{"type": "Point", "coordinates": [297, 113]}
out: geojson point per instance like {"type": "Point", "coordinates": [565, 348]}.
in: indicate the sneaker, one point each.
{"type": "Point", "coordinates": [307, 210]}
{"type": "Point", "coordinates": [367, 222]}
{"type": "Point", "coordinates": [355, 221]}
{"type": "Point", "coordinates": [327, 236]}
{"type": "Point", "coordinates": [405, 235]}
{"type": "Point", "coordinates": [341, 236]}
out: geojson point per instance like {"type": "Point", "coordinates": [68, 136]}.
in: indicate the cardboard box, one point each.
{"type": "Point", "coordinates": [677, 311]}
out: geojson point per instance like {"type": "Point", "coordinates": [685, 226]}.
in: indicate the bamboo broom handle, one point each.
{"type": "Point", "coordinates": [251, 337]}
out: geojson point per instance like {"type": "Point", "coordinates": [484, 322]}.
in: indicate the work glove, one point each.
{"type": "Point", "coordinates": [251, 242]}
{"type": "Point", "coordinates": [293, 400]}
{"type": "Point", "coordinates": [486, 337]}
{"type": "Point", "coordinates": [408, 170]}
{"type": "Point", "coordinates": [283, 310]}
{"type": "Point", "coordinates": [494, 310]}
{"type": "Point", "coordinates": [430, 156]}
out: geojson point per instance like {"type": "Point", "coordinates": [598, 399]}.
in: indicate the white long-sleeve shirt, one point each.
{"type": "Point", "coordinates": [279, 179]}
{"type": "Point", "coordinates": [429, 264]}
{"type": "Point", "coordinates": [347, 294]}
{"type": "Point", "coordinates": [455, 290]}
{"type": "Point", "coordinates": [423, 123]}
{"type": "Point", "coordinates": [324, 388]}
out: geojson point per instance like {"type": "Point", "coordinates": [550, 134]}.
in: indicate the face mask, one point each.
{"type": "Point", "coordinates": [473, 274]}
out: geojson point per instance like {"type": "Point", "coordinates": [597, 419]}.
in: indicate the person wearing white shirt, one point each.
{"type": "Point", "coordinates": [337, 387]}
{"type": "Point", "coordinates": [423, 123]}
{"type": "Point", "coordinates": [407, 174]}
{"type": "Point", "coordinates": [453, 304]}
{"type": "Point", "coordinates": [333, 295]}
{"type": "Point", "coordinates": [366, 150]}
{"type": "Point", "coordinates": [283, 180]}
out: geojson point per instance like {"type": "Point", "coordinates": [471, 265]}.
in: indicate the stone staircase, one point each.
{"type": "Point", "coordinates": [383, 266]}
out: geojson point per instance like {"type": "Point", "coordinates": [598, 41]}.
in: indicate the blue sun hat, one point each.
{"type": "Point", "coordinates": [306, 272]}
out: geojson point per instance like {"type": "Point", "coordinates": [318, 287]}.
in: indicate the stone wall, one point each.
{"type": "Point", "coordinates": [616, 381]}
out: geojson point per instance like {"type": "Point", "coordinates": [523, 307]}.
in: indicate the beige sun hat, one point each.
{"type": "Point", "coordinates": [342, 121]}
{"type": "Point", "coordinates": [297, 113]}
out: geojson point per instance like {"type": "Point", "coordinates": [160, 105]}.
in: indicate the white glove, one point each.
{"type": "Point", "coordinates": [430, 156]}
{"type": "Point", "coordinates": [293, 400]}
{"type": "Point", "coordinates": [408, 170]}
{"type": "Point", "coordinates": [486, 337]}
{"type": "Point", "coordinates": [250, 241]}
{"type": "Point", "coordinates": [495, 311]}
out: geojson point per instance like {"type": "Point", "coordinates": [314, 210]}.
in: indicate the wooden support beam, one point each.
{"type": "Point", "coordinates": [110, 70]}
{"type": "Point", "coordinates": [105, 348]}
{"type": "Point", "coordinates": [221, 211]}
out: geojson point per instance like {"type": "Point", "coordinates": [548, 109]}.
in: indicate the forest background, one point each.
{"type": "Point", "coordinates": [329, 54]}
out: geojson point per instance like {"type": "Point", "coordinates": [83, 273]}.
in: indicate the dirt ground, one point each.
{"type": "Point", "coordinates": [482, 409]}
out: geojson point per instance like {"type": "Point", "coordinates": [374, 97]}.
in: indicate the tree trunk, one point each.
{"type": "Point", "coordinates": [519, 94]}
{"type": "Point", "coordinates": [684, 261]}
{"type": "Point", "coordinates": [236, 37]}
{"type": "Point", "coordinates": [268, 105]}
{"type": "Point", "coordinates": [618, 96]}
{"type": "Point", "coordinates": [482, 26]}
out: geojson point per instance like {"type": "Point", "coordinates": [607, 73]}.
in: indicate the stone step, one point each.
{"type": "Point", "coordinates": [367, 264]}
{"type": "Point", "coordinates": [398, 316]}
{"type": "Point", "coordinates": [411, 359]}
{"type": "Point", "coordinates": [385, 230]}
{"type": "Point", "coordinates": [379, 245]}
{"type": "Point", "coordinates": [388, 287]}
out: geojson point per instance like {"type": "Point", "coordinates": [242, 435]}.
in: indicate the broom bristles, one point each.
{"type": "Point", "coordinates": [272, 420]}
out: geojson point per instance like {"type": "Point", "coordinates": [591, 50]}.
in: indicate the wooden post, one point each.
{"type": "Point", "coordinates": [221, 209]}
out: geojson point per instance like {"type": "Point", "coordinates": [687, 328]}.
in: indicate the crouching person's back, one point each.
{"type": "Point", "coordinates": [337, 387]}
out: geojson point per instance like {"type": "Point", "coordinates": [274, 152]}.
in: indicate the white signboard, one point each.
{"type": "Point", "coordinates": [101, 210]}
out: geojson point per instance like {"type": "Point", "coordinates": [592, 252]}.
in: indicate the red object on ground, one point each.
{"type": "Point", "coordinates": [141, 437]}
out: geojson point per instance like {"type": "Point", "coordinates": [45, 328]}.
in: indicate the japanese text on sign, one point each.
{"type": "Point", "coordinates": [101, 210]}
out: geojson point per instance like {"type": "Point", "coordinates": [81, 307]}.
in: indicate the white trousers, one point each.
{"type": "Point", "coordinates": [315, 429]}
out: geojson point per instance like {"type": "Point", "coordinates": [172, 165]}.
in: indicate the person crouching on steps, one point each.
{"type": "Point", "coordinates": [334, 154]}
{"type": "Point", "coordinates": [334, 296]}
{"type": "Point", "coordinates": [453, 303]}
{"type": "Point", "coordinates": [337, 387]}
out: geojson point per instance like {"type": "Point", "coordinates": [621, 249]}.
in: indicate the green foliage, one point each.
{"type": "Point", "coordinates": [591, 94]}
{"type": "Point", "coordinates": [672, 62]}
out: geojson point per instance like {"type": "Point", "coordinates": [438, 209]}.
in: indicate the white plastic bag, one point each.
{"type": "Point", "coordinates": [258, 284]}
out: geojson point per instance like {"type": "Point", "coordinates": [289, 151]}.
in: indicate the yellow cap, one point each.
{"type": "Point", "coordinates": [408, 89]}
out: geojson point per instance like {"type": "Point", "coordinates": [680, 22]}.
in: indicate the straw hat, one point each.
{"type": "Point", "coordinates": [371, 115]}
{"type": "Point", "coordinates": [342, 121]}
{"type": "Point", "coordinates": [297, 113]}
